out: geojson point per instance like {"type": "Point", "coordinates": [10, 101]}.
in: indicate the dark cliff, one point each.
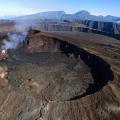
{"type": "Point", "coordinates": [103, 28]}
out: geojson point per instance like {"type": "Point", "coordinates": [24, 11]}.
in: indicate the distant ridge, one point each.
{"type": "Point", "coordinates": [61, 15]}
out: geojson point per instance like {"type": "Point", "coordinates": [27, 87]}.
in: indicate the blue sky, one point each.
{"type": "Point", "coordinates": [97, 7]}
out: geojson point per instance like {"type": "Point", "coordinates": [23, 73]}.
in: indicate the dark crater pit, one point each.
{"type": "Point", "coordinates": [68, 73]}
{"type": "Point", "coordinates": [100, 69]}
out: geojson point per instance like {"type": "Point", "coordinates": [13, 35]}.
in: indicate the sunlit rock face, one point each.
{"type": "Point", "coordinates": [3, 54]}
{"type": "Point", "coordinates": [3, 74]}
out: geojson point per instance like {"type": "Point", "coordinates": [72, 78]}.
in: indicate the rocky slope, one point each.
{"type": "Point", "coordinates": [61, 76]}
{"type": "Point", "coordinates": [107, 27]}
{"type": "Point", "coordinates": [103, 28]}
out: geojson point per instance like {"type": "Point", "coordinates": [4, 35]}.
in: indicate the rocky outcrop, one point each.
{"type": "Point", "coordinates": [107, 27]}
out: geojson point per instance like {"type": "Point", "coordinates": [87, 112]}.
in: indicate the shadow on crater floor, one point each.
{"type": "Point", "coordinates": [100, 69]}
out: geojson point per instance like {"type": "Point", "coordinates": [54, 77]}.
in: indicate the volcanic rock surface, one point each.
{"type": "Point", "coordinates": [61, 76]}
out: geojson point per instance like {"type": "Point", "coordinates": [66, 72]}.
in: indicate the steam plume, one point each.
{"type": "Point", "coordinates": [18, 36]}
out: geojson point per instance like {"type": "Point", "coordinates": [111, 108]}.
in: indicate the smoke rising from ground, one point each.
{"type": "Point", "coordinates": [18, 35]}
{"type": "Point", "coordinates": [14, 39]}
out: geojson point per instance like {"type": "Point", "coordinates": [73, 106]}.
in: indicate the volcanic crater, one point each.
{"type": "Point", "coordinates": [62, 70]}
{"type": "Point", "coordinates": [49, 70]}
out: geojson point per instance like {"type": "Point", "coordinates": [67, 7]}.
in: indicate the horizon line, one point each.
{"type": "Point", "coordinates": [24, 14]}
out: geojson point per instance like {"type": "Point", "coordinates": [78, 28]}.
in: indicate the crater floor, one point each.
{"type": "Point", "coordinates": [58, 77]}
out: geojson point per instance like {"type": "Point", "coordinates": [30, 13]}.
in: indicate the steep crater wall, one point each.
{"type": "Point", "coordinates": [100, 69]}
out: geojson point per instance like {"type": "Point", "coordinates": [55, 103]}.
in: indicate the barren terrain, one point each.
{"type": "Point", "coordinates": [61, 76]}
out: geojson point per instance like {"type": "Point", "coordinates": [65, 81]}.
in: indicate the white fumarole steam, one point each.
{"type": "Point", "coordinates": [14, 40]}
{"type": "Point", "coordinates": [18, 36]}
